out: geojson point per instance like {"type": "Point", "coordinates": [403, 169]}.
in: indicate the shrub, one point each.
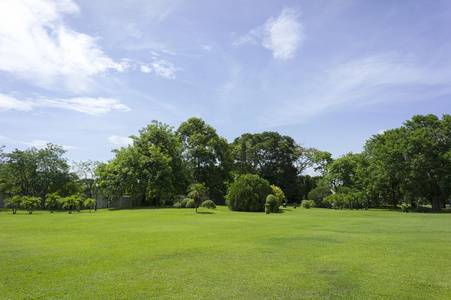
{"type": "Point", "coordinates": [307, 203]}
{"type": "Point", "coordinates": [248, 193]}
{"type": "Point", "coordinates": [278, 193]}
{"type": "Point", "coordinates": [405, 207]}
{"type": "Point", "coordinates": [318, 194]}
{"type": "Point", "coordinates": [209, 204]}
{"type": "Point", "coordinates": [190, 204]}
{"type": "Point", "coordinates": [421, 209]}
{"type": "Point", "coordinates": [267, 208]}
{"type": "Point", "coordinates": [184, 201]}
{"type": "Point", "coordinates": [273, 203]}
{"type": "Point", "coordinates": [177, 204]}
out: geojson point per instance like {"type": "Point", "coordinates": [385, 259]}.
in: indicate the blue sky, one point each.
{"type": "Point", "coordinates": [87, 74]}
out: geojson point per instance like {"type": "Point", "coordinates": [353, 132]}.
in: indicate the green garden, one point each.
{"type": "Point", "coordinates": [170, 253]}
{"type": "Point", "coordinates": [210, 219]}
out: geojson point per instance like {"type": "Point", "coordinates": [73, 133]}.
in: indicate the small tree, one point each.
{"type": "Point", "coordinates": [30, 203]}
{"type": "Point", "coordinates": [196, 192]}
{"type": "Point", "coordinates": [79, 201]}
{"type": "Point", "coordinates": [13, 203]}
{"type": "Point", "coordinates": [51, 200]}
{"type": "Point", "coordinates": [90, 203]}
{"type": "Point", "coordinates": [69, 203]}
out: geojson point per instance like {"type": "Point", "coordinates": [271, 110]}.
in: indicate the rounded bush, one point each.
{"type": "Point", "coordinates": [273, 203]}
{"type": "Point", "coordinates": [177, 204]}
{"type": "Point", "coordinates": [271, 199]}
{"type": "Point", "coordinates": [209, 204]}
{"type": "Point", "coordinates": [190, 204]}
{"type": "Point", "coordinates": [184, 201]}
{"type": "Point", "coordinates": [248, 193]}
{"type": "Point", "coordinates": [307, 203]}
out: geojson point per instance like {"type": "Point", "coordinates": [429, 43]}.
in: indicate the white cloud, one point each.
{"type": "Point", "coordinates": [90, 106]}
{"type": "Point", "coordinates": [146, 69]}
{"type": "Point", "coordinates": [283, 36]}
{"type": "Point", "coordinates": [87, 105]}
{"type": "Point", "coordinates": [38, 46]}
{"type": "Point", "coordinates": [10, 103]}
{"type": "Point", "coordinates": [120, 140]}
{"type": "Point", "coordinates": [164, 69]}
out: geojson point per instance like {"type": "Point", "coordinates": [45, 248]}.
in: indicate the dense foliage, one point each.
{"type": "Point", "coordinates": [410, 164]}
{"type": "Point", "coordinates": [248, 193]}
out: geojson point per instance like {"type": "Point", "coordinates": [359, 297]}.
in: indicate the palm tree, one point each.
{"type": "Point", "coordinates": [196, 191]}
{"type": "Point", "coordinates": [30, 203]}
{"type": "Point", "coordinates": [13, 203]}
{"type": "Point", "coordinates": [51, 200]}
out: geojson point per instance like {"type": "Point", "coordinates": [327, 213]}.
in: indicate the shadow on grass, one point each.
{"type": "Point", "coordinates": [205, 213]}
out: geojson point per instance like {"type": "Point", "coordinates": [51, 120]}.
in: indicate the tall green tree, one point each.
{"type": "Point", "coordinates": [207, 156]}
{"type": "Point", "coordinates": [272, 156]}
{"type": "Point", "coordinates": [429, 158]}
{"type": "Point", "coordinates": [151, 170]}
{"type": "Point", "coordinates": [34, 172]}
{"type": "Point", "coordinates": [413, 161]}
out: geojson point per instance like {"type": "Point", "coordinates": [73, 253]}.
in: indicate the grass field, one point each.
{"type": "Point", "coordinates": [176, 254]}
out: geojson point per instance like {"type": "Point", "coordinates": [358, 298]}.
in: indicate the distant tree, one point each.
{"type": "Point", "coordinates": [196, 192]}
{"type": "Point", "coordinates": [86, 174]}
{"type": "Point", "coordinates": [248, 193]}
{"type": "Point", "coordinates": [34, 172]}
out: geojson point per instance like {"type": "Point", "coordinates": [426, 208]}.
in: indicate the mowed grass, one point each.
{"type": "Point", "coordinates": [218, 254]}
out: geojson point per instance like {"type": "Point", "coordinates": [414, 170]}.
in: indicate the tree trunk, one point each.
{"type": "Point", "coordinates": [436, 204]}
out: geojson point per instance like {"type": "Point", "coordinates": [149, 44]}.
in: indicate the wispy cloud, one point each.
{"type": "Point", "coordinates": [39, 144]}
{"type": "Point", "coordinates": [283, 36]}
{"type": "Point", "coordinates": [363, 81]}
{"type": "Point", "coordinates": [162, 68]}
{"type": "Point", "coordinates": [10, 103]}
{"type": "Point", "coordinates": [120, 140]}
{"type": "Point", "coordinates": [38, 46]}
{"type": "Point", "coordinates": [90, 106]}
{"type": "Point", "coordinates": [87, 105]}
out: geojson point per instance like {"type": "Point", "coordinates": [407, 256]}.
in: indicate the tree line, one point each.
{"type": "Point", "coordinates": [409, 164]}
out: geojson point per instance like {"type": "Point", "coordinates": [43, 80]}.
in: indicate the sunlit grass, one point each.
{"type": "Point", "coordinates": [218, 254]}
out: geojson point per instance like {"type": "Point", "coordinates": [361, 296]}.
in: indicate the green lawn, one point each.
{"type": "Point", "coordinates": [218, 254]}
